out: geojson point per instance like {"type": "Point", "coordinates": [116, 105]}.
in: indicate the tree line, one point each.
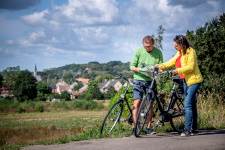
{"type": "Point", "coordinates": [209, 42]}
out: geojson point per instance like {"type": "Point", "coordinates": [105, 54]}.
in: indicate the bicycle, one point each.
{"type": "Point", "coordinates": [173, 113]}
{"type": "Point", "coordinates": [115, 117]}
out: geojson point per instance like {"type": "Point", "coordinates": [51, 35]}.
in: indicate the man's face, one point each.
{"type": "Point", "coordinates": [148, 46]}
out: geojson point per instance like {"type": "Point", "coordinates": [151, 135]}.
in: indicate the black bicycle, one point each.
{"type": "Point", "coordinates": [115, 118]}
{"type": "Point", "coordinates": [173, 113]}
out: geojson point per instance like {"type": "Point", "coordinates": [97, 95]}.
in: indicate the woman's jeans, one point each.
{"type": "Point", "coordinates": [190, 108]}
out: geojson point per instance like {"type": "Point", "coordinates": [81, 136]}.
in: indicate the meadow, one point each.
{"type": "Point", "coordinates": [62, 122]}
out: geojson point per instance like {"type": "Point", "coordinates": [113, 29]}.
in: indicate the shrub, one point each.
{"type": "Point", "coordinates": [86, 105]}
{"type": "Point", "coordinates": [39, 107]}
{"type": "Point", "coordinates": [117, 97]}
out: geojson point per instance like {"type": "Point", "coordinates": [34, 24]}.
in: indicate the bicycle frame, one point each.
{"type": "Point", "coordinates": [124, 98]}
{"type": "Point", "coordinates": [165, 113]}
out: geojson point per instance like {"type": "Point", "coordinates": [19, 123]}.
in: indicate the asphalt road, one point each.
{"type": "Point", "coordinates": [205, 140]}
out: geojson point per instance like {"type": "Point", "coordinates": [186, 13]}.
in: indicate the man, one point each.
{"type": "Point", "coordinates": [148, 55]}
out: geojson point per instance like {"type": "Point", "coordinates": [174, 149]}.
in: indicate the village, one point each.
{"type": "Point", "coordinates": [62, 86]}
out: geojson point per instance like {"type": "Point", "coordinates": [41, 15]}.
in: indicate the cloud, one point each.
{"type": "Point", "coordinates": [34, 39]}
{"type": "Point", "coordinates": [187, 3]}
{"type": "Point", "coordinates": [37, 18]}
{"type": "Point", "coordinates": [17, 4]}
{"type": "Point", "coordinates": [90, 12]}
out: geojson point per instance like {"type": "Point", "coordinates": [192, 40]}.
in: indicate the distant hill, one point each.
{"type": "Point", "coordinates": [92, 70]}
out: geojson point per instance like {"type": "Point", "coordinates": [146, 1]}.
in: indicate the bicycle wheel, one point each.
{"type": "Point", "coordinates": [112, 119]}
{"type": "Point", "coordinates": [177, 113]}
{"type": "Point", "coordinates": [143, 114]}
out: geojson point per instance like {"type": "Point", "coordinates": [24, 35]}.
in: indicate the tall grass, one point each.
{"type": "Point", "coordinates": [211, 110]}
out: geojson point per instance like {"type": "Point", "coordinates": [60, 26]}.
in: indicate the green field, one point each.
{"type": "Point", "coordinates": [62, 125]}
{"type": "Point", "coordinates": [48, 127]}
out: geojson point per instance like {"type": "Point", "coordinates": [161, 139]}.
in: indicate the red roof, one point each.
{"type": "Point", "coordinates": [83, 80]}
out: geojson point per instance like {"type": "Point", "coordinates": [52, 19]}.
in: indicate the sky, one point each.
{"type": "Point", "coordinates": [54, 33]}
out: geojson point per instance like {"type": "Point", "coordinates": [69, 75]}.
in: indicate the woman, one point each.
{"type": "Point", "coordinates": [185, 62]}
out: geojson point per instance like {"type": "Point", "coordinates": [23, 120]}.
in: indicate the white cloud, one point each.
{"type": "Point", "coordinates": [34, 38]}
{"type": "Point", "coordinates": [90, 11]}
{"type": "Point", "coordinates": [91, 35]}
{"type": "Point", "coordinates": [36, 18]}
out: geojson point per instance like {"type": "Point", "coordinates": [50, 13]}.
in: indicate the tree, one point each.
{"type": "Point", "coordinates": [78, 86]}
{"type": "Point", "coordinates": [1, 80]}
{"type": "Point", "coordinates": [10, 78]}
{"type": "Point", "coordinates": [24, 87]}
{"type": "Point", "coordinates": [159, 38]}
{"type": "Point", "coordinates": [42, 91]}
{"type": "Point", "coordinates": [93, 91]}
{"type": "Point", "coordinates": [43, 88]}
{"type": "Point", "coordinates": [68, 77]}
{"type": "Point", "coordinates": [110, 93]}
{"type": "Point", "coordinates": [65, 95]}
{"type": "Point", "coordinates": [209, 42]}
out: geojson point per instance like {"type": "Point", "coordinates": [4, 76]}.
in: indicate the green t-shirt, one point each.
{"type": "Point", "coordinates": [143, 58]}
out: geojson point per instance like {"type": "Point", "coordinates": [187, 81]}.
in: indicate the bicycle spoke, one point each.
{"type": "Point", "coordinates": [177, 121]}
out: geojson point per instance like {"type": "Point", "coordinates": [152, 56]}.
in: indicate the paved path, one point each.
{"type": "Point", "coordinates": [205, 140]}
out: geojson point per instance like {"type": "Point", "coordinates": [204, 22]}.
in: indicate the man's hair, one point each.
{"type": "Point", "coordinates": [182, 40]}
{"type": "Point", "coordinates": [148, 38]}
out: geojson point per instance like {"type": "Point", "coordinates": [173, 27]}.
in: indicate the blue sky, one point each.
{"type": "Point", "coordinates": [53, 33]}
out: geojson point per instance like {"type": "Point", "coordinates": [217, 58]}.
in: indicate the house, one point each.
{"type": "Point", "coordinates": [5, 91]}
{"type": "Point", "coordinates": [85, 81]}
{"type": "Point", "coordinates": [61, 86]}
{"type": "Point", "coordinates": [107, 84]}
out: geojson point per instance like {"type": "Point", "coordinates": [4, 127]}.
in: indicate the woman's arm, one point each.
{"type": "Point", "coordinates": [170, 63]}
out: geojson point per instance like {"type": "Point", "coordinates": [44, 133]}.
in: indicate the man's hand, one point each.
{"type": "Point", "coordinates": [157, 66]}
{"type": "Point", "coordinates": [135, 69]}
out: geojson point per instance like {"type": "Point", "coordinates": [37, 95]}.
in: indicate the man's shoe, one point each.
{"type": "Point", "coordinates": [149, 131]}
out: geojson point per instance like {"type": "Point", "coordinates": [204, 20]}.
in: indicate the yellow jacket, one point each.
{"type": "Point", "coordinates": [189, 66]}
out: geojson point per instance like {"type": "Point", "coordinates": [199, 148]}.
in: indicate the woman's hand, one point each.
{"type": "Point", "coordinates": [174, 72]}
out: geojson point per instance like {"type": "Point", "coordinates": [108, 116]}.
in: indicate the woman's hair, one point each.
{"type": "Point", "coordinates": [182, 40]}
{"type": "Point", "coordinates": [148, 38]}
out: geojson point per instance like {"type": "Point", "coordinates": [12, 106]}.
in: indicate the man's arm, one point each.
{"type": "Point", "coordinates": [134, 62]}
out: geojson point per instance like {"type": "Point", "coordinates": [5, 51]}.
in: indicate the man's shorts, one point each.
{"type": "Point", "coordinates": [140, 87]}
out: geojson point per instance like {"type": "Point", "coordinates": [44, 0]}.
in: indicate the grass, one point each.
{"type": "Point", "coordinates": [49, 127]}
{"type": "Point", "coordinates": [60, 125]}
{"type": "Point", "coordinates": [211, 110]}
{"type": "Point", "coordinates": [40, 106]}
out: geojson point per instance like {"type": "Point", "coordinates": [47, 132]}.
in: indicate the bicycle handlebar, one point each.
{"type": "Point", "coordinates": [153, 71]}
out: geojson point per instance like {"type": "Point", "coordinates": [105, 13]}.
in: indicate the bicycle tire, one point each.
{"type": "Point", "coordinates": [111, 119]}
{"type": "Point", "coordinates": [142, 116]}
{"type": "Point", "coordinates": [177, 116]}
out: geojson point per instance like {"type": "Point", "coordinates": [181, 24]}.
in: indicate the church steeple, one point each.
{"type": "Point", "coordinates": [38, 77]}
{"type": "Point", "coordinates": [35, 70]}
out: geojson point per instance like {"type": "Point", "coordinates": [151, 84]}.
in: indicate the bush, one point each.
{"type": "Point", "coordinates": [65, 95]}
{"type": "Point", "coordinates": [61, 104]}
{"type": "Point", "coordinates": [26, 106]}
{"type": "Point", "coordinates": [129, 96]}
{"type": "Point", "coordinates": [39, 107]}
{"type": "Point", "coordinates": [86, 105]}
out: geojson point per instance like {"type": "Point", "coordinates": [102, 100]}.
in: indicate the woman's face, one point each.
{"type": "Point", "coordinates": [177, 46]}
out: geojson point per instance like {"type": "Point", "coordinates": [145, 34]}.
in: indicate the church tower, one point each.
{"type": "Point", "coordinates": [35, 71]}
